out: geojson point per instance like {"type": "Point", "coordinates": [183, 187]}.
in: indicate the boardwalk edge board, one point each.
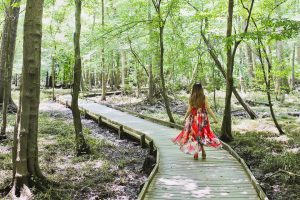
{"type": "Point", "coordinates": [135, 134]}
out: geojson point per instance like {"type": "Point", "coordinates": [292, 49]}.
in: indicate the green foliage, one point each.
{"type": "Point", "coordinates": [287, 161]}
{"type": "Point", "coordinates": [56, 126]}
{"type": "Point", "coordinates": [5, 163]}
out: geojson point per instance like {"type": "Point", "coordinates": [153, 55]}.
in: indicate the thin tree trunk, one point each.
{"type": "Point", "coordinates": [81, 145]}
{"type": "Point", "coordinates": [279, 85]}
{"type": "Point", "coordinates": [195, 71]}
{"type": "Point", "coordinates": [241, 77]}
{"type": "Point", "coordinates": [53, 78]}
{"type": "Point", "coordinates": [5, 70]}
{"type": "Point", "coordinates": [250, 62]}
{"type": "Point", "coordinates": [124, 71]}
{"type": "Point", "coordinates": [12, 17]}
{"type": "Point", "coordinates": [214, 85]}
{"type": "Point", "coordinates": [298, 52]}
{"type": "Point", "coordinates": [3, 52]}
{"type": "Point", "coordinates": [26, 148]}
{"type": "Point", "coordinates": [226, 134]}
{"type": "Point", "coordinates": [104, 72]}
{"type": "Point", "coordinates": [150, 65]}
{"type": "Point", "coordinates": [47, 80]}
{"type": "Point", "coordinates": [267, 80]}
{"type": "Point", "coordinates": [293, 68]}
{"type": "Point", "coordinates": [162, 22]}
{"type": "Point", "coordinates": [163, 85]}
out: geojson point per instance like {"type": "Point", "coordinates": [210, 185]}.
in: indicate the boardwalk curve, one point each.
{"type": "Point", "coordinates": [176, 175]}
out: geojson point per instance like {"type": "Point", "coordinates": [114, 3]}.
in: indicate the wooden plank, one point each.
{"type": "Point", "coordinates": [170, 196]}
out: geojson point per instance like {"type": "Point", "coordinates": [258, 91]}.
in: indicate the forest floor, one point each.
{"type": "Point", "coordinates": [112, 171]}
{"type": "Point", "coordinates": [256, 141]}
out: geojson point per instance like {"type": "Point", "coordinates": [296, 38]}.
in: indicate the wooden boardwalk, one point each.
{"type": "Point", "coordinates": [178, 176]}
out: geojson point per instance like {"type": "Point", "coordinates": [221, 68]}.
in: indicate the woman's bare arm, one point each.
{"type": "Point", "coordinates": [209, 110]}
{"type": "Point", "coordinates": [187, 112]}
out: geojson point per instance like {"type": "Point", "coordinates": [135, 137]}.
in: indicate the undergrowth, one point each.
{"type": "Point", "coordinates": [264, 155]}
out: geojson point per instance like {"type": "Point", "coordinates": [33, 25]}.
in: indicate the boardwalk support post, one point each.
{"type": "Point", "coordinates": [99, 121]}
{"type": "Point", "coordinates": [151, 147]}
{"type": "Point", "coordinates": [143, 141]}
{"type": "Point", "coordinates": [121, 133]}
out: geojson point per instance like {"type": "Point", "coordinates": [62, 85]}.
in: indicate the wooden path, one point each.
{"type": "Point", "coordinates": [177, 175]}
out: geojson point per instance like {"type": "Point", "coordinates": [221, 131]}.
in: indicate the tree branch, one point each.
{"type": "Point", "coordinates": [137, 57]}
{"type": "Point", "coordinates": [192, 5]}
{"type": "Point", "coordinates": [236, 44]}
{"type": "Point", "coordinates": [116, 28]}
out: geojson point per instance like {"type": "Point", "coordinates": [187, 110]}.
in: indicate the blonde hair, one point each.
{"type": "Point", "coordinates": [197, 98]}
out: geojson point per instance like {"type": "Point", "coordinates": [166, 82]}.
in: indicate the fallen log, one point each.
{"type": "Point", "coordinates": [294, 114]}
{"type": "Point", "coordinates": [239, 113]}
{"type": "Point", "coordinates": [99, 94]}
{"type": "Point", "coordinates": [295, 177]}
{"type": "Point", "coordinates": [255, 103]}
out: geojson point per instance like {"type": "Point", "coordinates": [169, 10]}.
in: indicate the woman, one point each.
{"type": "Point", "coordinates": [197, 129]}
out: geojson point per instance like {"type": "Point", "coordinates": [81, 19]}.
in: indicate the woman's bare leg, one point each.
{"type": "Point", "coordinates": [203, 151]}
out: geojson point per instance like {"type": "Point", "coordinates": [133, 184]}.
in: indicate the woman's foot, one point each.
{"type": "Point", "coordinates": [196, 156]}
{"type": "Point", "coordinates": [203, 155]}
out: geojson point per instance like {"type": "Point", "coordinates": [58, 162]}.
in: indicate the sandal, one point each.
{"type": "Point", "coordinates": [196, 156]}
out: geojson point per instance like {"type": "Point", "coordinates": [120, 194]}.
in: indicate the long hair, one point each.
{"type": "Point", "coordinates": [197, 97]}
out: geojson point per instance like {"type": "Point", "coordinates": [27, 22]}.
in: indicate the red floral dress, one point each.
{"type": "Point", "coordinates": [196, 130]}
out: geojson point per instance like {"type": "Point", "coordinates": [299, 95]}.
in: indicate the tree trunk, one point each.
{"type": "Point", "coordinates": [81, 146]}
{"type": "Point", "coordinates": [3, 54]}
{"type": "Point", "coordinates": [161, 63]}
{"type": "Point", "coordinates": [150, 65]}
{"type": "Point", "coordinates": [226, 134]}
{"type": "Point", "coordinates": [293, 68]}
{"type": "Point", "coordinates": [298, 53]}
{"type": "Point", "coordinates": [5, 72]}
{"type": "Point", "coordinates": [279, 80]}
{"type": "Point", "coordinates": [12, 18]}
{"type": "Point", "coordinates": [53, 78]}
{"type": "Point", "coordinates": [47, 80]}
{"type": "Point", "coordinates": [267, 80]}
{"type": "Point", "coordinates": [241, 77]}
{"type": "Point", "coordinates": [124, 71]}
{"type": "Point", "coordinates": [250, 63]}
{"type": "Point", "coordinates": [138, 79]}
{"type": "Point", "coordinates": [104, 72]}
{"type": "Point", "coordinates": [195, 72]}
{"type": "Point", "coordinates": [26, 149]}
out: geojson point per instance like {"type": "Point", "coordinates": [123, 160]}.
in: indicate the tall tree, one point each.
{"type": "Point", "coordinates": [250, 62]}
{"type": "Point", "coordinates": [8, 44]}
{"type": "Point", "coordinates": [25, 150]}
{"type": "Point", "coordinates": [150, 65]}
{"type": "Point", "coordinates": [262, 53]}
{"type": "Point", "coordinates": [12, 17]}
{"type": "Point", "coordinates": [293, 67]}
{"type": "Point", "coordinates": [231, 48]}
{"type": "Point", "coordinates": [161, 25]}
{"type": "Point", "coordinates": [81, 145]}
{"type": "Point", "coordinates": [226, 123]}
{"type": "Point", "coordinates": [104, 72]}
